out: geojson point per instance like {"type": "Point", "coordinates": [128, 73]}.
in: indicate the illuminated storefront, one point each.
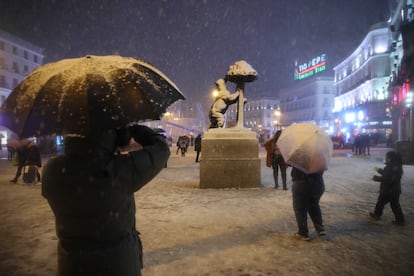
{"type": "Point", "coordinates": [360, 86]}
{"type": "Point", "coordinates": [401, 85]}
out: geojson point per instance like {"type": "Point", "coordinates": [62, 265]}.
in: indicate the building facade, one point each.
{"type": "Point", "coordinates": [310, 100]}
{"type": "Point", "coordinates": [360, 85]}
{"type": "Point", "coordinates": [262, 116]}
{"type": "Point", "coordinates": [17, 59]}
{"type": "Point", "coordinates": [401, 85]}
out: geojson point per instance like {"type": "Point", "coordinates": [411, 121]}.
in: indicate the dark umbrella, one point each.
{"type": "Point", "coordinates": [88, 94]}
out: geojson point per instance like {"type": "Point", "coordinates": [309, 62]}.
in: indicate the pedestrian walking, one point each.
{"type": "Point", "coordinates": [20, 155]}
{"type": "Point", "coordinates": [197, 147]}
{"type": "Point", "coordinates": [33, 162]}
{"type": "Point", "coordinates": [90, 189]}
{"type": "Point", "coordinates": [390, 187]}
{"type": "Point", "coordinates": [275, 160]}
{"type": "Point", "coordinates": [182, 144]}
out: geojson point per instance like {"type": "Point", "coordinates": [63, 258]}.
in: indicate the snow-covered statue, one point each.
{"type": "Point", "coordinates": [239, 73]}
{"type": "Point", "coordinates": [223, 100]}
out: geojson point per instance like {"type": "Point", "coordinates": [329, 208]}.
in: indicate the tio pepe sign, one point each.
{"type": "Point", "coordinates": [310, 68]}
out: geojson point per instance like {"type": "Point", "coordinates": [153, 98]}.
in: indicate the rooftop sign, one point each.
{"type": "Point", "coordinates": [310, 68]}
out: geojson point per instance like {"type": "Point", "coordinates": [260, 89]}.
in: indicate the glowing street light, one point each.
{"type": "Point", "coordinates": [277, 115]}
{"type": "Point", "coordinates": [409, 99]}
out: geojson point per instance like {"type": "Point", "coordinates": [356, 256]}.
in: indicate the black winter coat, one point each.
{"type": "Point", "coordinates": [92, 198]}
{"type": "Point", "coordinates": [390, 178]}
{"type": "Point", "coordinates": [197, 143]}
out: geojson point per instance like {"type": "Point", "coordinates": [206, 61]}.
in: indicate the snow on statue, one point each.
{"type": "Point", "coordinates": [239, 73]}
{"type": "Point", "coordinates": [223, 100]}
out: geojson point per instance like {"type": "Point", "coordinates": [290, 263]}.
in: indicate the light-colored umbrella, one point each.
{"type": "Point", "coordinates": [306, 147]}
{"type": "Point", "coordinates": [87, 94]}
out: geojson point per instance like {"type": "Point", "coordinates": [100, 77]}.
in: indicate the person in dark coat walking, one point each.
{"type": "Point", "coordinates": [21, 156]}
{"type": "Point", "coordinates": [28, 154]}
{"type": "Point", "coordinates": [307, 190]}
{"type": "Point", "coordinates": [275, 160]}
{"type": "Point", "coordinates": [34, 157]}
{"type": "Point", "coordinates": [390, 187]}
{"type": "Point", "coordinates": [182, 144]}
{"type": "Point", "coordinates": [197, 147]}
{"type": "Point", "coordinates": [90, 189]}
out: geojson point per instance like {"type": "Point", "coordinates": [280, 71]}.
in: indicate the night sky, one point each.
{"type": "Point", "coordinates": [195, 41]}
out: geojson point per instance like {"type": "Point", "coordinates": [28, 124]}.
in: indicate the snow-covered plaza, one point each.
{"type": "Point", "coordinates": [190, 231]}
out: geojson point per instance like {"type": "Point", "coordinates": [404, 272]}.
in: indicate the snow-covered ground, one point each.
{"type": "Point", "coordinates": [191, 231]}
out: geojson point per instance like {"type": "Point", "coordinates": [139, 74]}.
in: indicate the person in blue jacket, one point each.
{"type": "Point", "coordinates": [90, 189]}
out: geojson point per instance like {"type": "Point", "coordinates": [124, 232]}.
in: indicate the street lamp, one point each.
{"type": "Point", "coordinates": [277, 115]}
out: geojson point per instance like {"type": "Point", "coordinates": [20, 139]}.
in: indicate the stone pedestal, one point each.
{"type": "Point", "coordinates": [229, 159]}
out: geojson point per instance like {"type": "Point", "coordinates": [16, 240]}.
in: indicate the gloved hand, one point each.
{"type": "Point", "coordinates": [142, 134]}
{"type": "Point", "coordinates": [376, 168]}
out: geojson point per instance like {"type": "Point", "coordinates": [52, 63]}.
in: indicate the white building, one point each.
{"type": "Point", "coordinates": [17, 59]}
{"type": "Point", "coordinates": [310, 100]}
{"type": "Point", "coordinates": [361, 82]}
{"type": "Point", "coordinates": [259, 116]}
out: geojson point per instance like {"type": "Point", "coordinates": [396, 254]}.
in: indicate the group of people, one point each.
{"type": "Point", "coordinates": [307, 189]}
{"type": "Point", "coordinates": [361, 144]}
{"type": "Point", "coordinates": [184, 142]}
{"type": "Point", "coordinates": [90, 189]}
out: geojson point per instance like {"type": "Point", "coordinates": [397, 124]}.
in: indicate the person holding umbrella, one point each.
{"type": "Point", "coordinates": [91, 192]}
{"type": "Point", "coordinates": [307, 190]}
{"type": "Point", "coordinates": [90, 188]}
{"type": "Point", "coordinates": [307, 148]}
